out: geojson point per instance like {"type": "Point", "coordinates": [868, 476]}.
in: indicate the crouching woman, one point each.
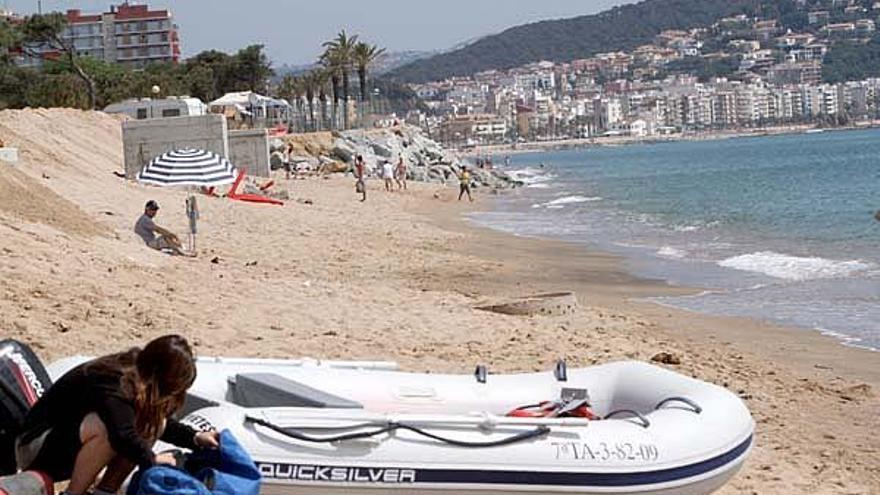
{"type": "Point", "coordinates": [107, 413]}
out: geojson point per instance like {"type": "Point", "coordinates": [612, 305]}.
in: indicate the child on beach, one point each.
{"type": "Point", "coordinates": [107, 413]}
{"type": "Point", "coordinates": [464, 180]}
{"type": "Point", "coordinates": [388, 175]}
{"type": "Point", "coordinates": [401, 174]}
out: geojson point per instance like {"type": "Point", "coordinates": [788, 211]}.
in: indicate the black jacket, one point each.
{"type": "Point", "coordinates": [82, 391]}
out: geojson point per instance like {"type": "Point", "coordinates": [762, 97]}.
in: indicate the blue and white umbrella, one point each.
{"type": "Point", "coordinates": [188, 167]}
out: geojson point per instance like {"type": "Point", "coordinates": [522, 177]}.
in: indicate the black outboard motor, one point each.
{"type": "Point", "coordinates": [23, 380]}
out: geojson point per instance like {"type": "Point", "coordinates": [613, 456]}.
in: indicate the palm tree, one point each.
{"type": "Point", "coordinates": [364, 56]}
{"type": "Point", "coordinates": [320, 78]}
{"type": "Point", "coordinates": [310, 88]}
{"type": "Point", "coordinates": [300, 85]}
{"type": "Point", "coordinates": [341, 50]}
{"type": "Point", "coordinates": [332, 64]}
{"type": "Point", "coordinates": [288, 90]}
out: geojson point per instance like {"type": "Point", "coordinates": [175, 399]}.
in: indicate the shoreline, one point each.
{"type": "Point", "coordinates": [601, 141]}
{"type": "Point", "coordinates": [629, 291]}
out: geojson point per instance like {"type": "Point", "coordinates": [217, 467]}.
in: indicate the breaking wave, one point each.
{"type": "Point", "coordinates": [794, 268]}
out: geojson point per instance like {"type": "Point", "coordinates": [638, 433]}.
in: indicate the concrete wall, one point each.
{"type": "Point", "coordinates": [249, 149]}
{"type": "Point", "coordinates": [144, 140]}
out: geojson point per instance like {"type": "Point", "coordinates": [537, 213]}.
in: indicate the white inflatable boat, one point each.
{"type": "Point", "coordinates": [352, 428]}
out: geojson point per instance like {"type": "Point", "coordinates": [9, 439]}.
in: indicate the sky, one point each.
{"type": "Point", "coordinates": [293, 30]}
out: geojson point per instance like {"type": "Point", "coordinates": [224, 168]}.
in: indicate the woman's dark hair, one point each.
{"type": "Point", "coordinates": [155, 378]}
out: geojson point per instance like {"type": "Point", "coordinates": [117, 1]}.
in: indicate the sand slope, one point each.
{"type": "Point", "coordinates": [378, 280]}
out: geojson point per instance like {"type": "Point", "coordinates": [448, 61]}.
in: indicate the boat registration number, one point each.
{"type": "Point", "coordinates": [606, 451]}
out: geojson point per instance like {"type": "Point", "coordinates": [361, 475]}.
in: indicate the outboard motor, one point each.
{"type": "Point", "coordinates": [23, 380]}
{"type": "Point", "coordinates": [26, 483]}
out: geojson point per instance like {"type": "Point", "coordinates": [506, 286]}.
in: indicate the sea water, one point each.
{"type": "Point", "coordinates": [777, 228]}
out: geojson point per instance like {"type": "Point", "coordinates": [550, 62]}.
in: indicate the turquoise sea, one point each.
{"type": "Point", "coordinates": [778, 228]}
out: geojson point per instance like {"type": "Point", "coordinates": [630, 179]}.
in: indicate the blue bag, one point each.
{"type": "Point", "coordinates": [228, 470]}
{"type": "Point", "coordinates": [166, 480]}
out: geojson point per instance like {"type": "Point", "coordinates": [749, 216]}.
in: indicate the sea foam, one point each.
{"type": "Point", "coordinates": [671, 252]}
{"type": "Point", "coordinates": [794, 268]}
{"type": "Point", "coordinates": [567, 200]}
{"type": "Point", "coordinates": [535, 178]}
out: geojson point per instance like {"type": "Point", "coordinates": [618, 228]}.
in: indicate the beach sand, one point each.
{"type": "Point", "coordinates": [395, 278]}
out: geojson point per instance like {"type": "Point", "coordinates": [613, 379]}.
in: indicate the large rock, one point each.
{"type": "Point", "coordinates": [382, 150]}
{"type": "Point", "coordinates": [313, 149]}
{"type": "Point", "coordinates": [334, 168]}
{"type": "Point", "coordinates": [440, 172]}
{"type": "Point", "coordinates": [303, 159]}
{"type": "Point", "coordinates": [343, 150]}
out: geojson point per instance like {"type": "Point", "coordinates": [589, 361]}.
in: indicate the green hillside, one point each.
{"type": "Point", "coordinates": [621, 28]}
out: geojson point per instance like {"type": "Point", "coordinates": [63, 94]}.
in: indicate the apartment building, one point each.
{"type": "Point", "coordinates": [474, 128]}
{"type": "Point", "coordinates": [129, 34]}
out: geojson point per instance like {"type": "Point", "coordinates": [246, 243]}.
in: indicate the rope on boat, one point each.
{"type": "Point", "coordinates": [696, 408]}
{"type": "Point", "coordinates": [540, 431]}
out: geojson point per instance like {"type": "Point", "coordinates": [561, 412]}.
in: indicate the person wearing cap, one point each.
{"type": "Point", "coordinates": [155, 236]}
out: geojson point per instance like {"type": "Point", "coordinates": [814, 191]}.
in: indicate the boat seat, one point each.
{"type": "Point", "coordinates": [271, 390]}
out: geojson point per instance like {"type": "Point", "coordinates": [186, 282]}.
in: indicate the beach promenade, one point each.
{"type": "Point", "coordinates": [395, 278]}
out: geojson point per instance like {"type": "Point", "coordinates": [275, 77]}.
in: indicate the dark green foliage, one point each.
{"type": "Point", "coordinates": [621, 28]}
{"type": "Point", "coordinates": [395, 97]}
{"type": "Point", "coordinates": [704, 68]}
{"type": "Point", "coordinates": [206, 76]}
{"type": "Point", "coordinates": [852, 61]}
{"type": "Point", "coordinates": [786, 12]}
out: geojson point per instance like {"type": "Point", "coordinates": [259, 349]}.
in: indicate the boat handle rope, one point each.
{"type": "Point", "coordinates": [696, 407]}
{"type": "Point", "coordinates": [643, 419]}
{"type": "Point", "coordinates": [540, 431]}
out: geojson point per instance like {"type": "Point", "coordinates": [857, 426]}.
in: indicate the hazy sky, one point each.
{"type": "Point", "coordinates": [293, 30]}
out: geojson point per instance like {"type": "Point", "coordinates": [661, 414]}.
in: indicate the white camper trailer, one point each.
{"type": "Point", "coordinates": [148, 108]}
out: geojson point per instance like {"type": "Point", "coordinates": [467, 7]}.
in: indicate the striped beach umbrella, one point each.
{"type": "Point", "coordinates": [188, 167]}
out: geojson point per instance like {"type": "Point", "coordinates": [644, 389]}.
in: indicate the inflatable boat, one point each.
{"type": "Point", "coordinates": [356, 427]}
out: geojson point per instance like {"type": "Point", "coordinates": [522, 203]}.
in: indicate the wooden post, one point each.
{"type": "Point", "coordinates": [192, 212]}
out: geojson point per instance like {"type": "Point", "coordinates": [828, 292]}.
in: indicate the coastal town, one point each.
{"type": "Point", "coordinates": [740, 74]}
{"type": "Point", "coordinates": [776, 79]}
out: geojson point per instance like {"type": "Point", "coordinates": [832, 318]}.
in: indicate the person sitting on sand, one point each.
{"type": "Point", "coordinates": [464, 180]}
{"type": "Point", "coordinates": [401, 174]}
{"type": "Point", "coordinates": [388, 175]}
{"type": "Point", "coordinates": [107, 413]}
{"type": "Point", "coordinates": [156, 237]}
{"type": "Point", "coordinates": [360, 185]}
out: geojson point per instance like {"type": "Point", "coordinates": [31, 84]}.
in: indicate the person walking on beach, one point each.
{"type": "Point", "coordinates": [361, 185]}
{"type": "Point", "coordinates": [401, 173]}
{"type": "Point", "coordinates": [154, 236]}
{"type": "Point", "coordinates": [464, 181]}
{"type": "Point", "coordinates": [105, 415]}
{"type": "Point", "coordinates": [388, 175]}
